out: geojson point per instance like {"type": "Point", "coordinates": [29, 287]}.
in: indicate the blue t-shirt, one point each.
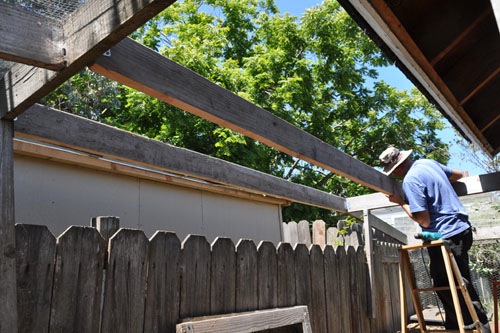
{"type": "Point", "coordinates": [427, 187]}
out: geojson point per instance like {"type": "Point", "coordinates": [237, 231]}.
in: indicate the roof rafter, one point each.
{"type": "Point", "coordinates": [143, 69]}
{"type": "Point", "coordinates": [95, 27]}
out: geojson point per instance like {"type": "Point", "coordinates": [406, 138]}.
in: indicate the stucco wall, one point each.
{"type": "Point", "coordinates": [59, 195]}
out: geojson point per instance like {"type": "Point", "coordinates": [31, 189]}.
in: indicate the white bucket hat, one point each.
{"type": "Point", "coordinates": [392, 157]}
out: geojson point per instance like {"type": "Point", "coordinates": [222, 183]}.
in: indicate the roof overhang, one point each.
{"type": "Point", "coordinates": [450, 49]}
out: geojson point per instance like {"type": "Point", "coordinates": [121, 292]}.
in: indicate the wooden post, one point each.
{"type": "Point", "coordinates": [106, 225]}
{"type": "Point", "coordinates": [8, 286]}
{"type": "Point", "coordinates": [367, 230]}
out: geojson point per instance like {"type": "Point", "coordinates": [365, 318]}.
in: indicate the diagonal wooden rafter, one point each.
{"type": "Point", "coordinates": [64, 129]}
{"type": "Point", "coordinates": [42, 38]}
{"type": "Point", "coordinates": [92, 30]}
{"type": "Point", "coordinates": [143, 69]}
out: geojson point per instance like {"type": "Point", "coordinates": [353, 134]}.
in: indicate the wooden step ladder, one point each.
{"type": "Point", "coordinates": [453, 272]}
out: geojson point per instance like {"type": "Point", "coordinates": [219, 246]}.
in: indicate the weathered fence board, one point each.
{"type": "Point", "coordinates": [163, 293]}
{"type": "Point", "coordinates": [195, 270]}
{"type": "Point", "coordinates": [126, 276]}
{"type": "Point", "coordinates": [78, 281]}
{"type": "Point", "coordinates": [267, 269]}
{"type": "Point", "coordinates": [334, 304]}
{"type": "Point", "coordinates": [35, 272]}
{"type": "Point", "coordinates": [286, 275]}
{"type": "Point", "coordinates": [153, 285]}
{"type": "Point", "coordinates": [318, 302]}
{"type": "Point", "coordinates": [246, 276]}
{"type": "Point", "coordinates": [223, 277]}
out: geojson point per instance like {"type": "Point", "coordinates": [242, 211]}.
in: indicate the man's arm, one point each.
{"type": "Point", "coordinates": [422, 218]}
{"type": "Point", "coordinates": [455, 175]}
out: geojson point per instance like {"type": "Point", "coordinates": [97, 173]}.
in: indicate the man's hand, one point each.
{"type": "Point", "coordinates": [396, 199]}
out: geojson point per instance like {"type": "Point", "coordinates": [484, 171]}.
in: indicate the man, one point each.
{"type": "Point", "coordinates": [432, 202]}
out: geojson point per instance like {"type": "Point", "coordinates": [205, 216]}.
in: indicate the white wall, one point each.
{"type": "Point", "coordinates": [59, 195]}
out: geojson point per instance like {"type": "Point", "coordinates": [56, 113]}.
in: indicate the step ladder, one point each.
{"type": "Point", "coordinates": [453, 272]}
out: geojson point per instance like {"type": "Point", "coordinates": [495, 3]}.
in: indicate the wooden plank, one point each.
{"type": "Point", "coordinates": [76, 301]}
{"type": "Point", "coordinates": [106, 225]}
{"type": "Point", "coordinates": [303, 281]}
{"type": "Point", "coordinates": [246, 276]}
{"type": "Point", "coordinates": [319, 233]}
{"type": "Point", "coordinates": [293, 233]}
{"type": "Point", "coordinates": [286, 275]}
{"type": "Point", "coordinates": [94, 162]}
{"type": "Point", "coordinates": [354, 297]}
{"type": "Point", "coordinates": [43, 124]}
{"type": "Point", "coordinates": [267, 270]}
{"type": "Point", "coordinates": [8, 305]}
{"type": "Point", "coordinates": [345, 291]}
{"type": "Point", "coordinates": [247, 322]}
{"type": "Point", "coordinates": [148, 71]}
{"type": "Point", "coordinates": [304, 232]}
{"type": "Point", "coordinates": [195, 277]}
{"type": "Point", "coordinates": [91, 31]}
{"type": "Point", "coordinates": [369, 252]}
{"type": "Point", "coordinates": [466, 186]}
{"type": "Point", "coordinates": [223, 277]}
{"type": "Point", "coordinates": [317, 309]}
{"type": "Point", "coordinates": [126, 277]}
{"type": "Point", "coordinates": [163, 286]}
{"type": "Point", "coordinates": [334, 303]}
{"type": "Point", "coordinates": [364, 289]}
{"type": "Point", "coordinates": [42, 38]}
{"type": "Point", "coordinates": [35, 275]}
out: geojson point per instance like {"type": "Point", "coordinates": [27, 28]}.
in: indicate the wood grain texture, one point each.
{"type": "Point", "coordinates": [317, 310]}
{"type": "Point", "coordinates": [246, 276]}
{"type": "Point", "coordinates": [76, 303]}
{"type": "Point", "coordinates": [267, 268]}
{"type": "Point", "coordinates": [126, 277]}
{"type": "Point", "coordinates": [286, 275]}
{"type": "Point", "coordinates": [163, 284]}
{"type": "Point", "coordinates": [41, 37]}
{"type": "Point", "coordinates": [223, 276]}
{"type": "Point", "coordinates": [146, 70]}
{"type": "Point", "coordinates": [71, 131]}
{"type": "Point", "coordinates": [195, 277]}
{"type": "Point", "coordinates": [8, 305]}
{"type": "Point", "coordinates": [35, 275]}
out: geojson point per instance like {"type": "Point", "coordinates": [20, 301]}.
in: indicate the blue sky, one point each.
{"type": "Point", "coordinates": [396, 78]}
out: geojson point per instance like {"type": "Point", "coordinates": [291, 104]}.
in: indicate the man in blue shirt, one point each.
{"type": "Point", "coordinates": [432, 202]}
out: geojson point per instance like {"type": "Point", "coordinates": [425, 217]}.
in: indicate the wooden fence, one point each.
{"type": "Point", "coordinates": [80, 283]}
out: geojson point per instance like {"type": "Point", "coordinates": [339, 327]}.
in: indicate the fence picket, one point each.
{"type": "Point", "coordinates": [363, 287]}
{"type": "Point", "coordinates": [286, 275]}
{"type": "Point", "coordinates": [332, 291]}
{"type": "Point", "coordinates": [223, 277]}
{"type": "Point", "coordinates": [246, 276]}
{"type": "Point", "coordinates": [163, 287]}
{"type": "Point", "coordinates": [303, 275]}
{"type": "Point", "coordinates": [267, 270]}
{"type": "Point", "coordinates": [126, 276]}
{"type": "Point", "coordinates": [76, 300]}
{"type": "Point", "coordinates": [318, 306]}
{"type": "Point", "coordinates": [35, 275]}
{"type": "Point", "coordinates": [195, 272]}
{"type": "Point", "coordinates": [345, 291]}
{"type": "Point", "coordinates": [304, 233]}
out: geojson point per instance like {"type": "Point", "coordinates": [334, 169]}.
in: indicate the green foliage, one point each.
{"type": "Point", "coordinates": [318, 72]}
{"type": "Point", "coordinates": [485, 259]}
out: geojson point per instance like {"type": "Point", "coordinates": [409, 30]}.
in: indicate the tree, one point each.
{"type": "Point", "coordinates": [319, 73]}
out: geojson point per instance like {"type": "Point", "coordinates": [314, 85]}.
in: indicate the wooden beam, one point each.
{"type": "Point", "coordinates": [48, 125]}
{"type": "Point", "coordinates": [8, 286]}
{"type": "Point", "coordinates": [246, 322]}
{"type": "Point", "coordinates": [91, 30]}
{"type": "Point", "coordinates": [30, 38]}
{"type": "Point", "coordinates": [143, 69]}
{"type": "Point", "coordinates": [93, 162]}
{"type": "Point", "coordinates": [466, 186]}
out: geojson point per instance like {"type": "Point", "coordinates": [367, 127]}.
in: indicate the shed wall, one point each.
{"type": "Point", "coordinates": [60, 195]}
